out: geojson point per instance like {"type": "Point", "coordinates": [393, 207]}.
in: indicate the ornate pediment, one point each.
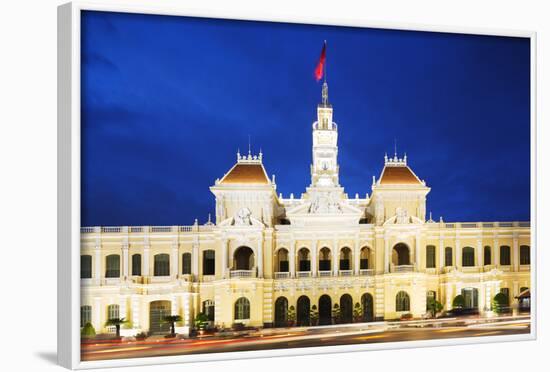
{"type": "Point", "coordinates": [402, 218]}
{"type": "Point", "coordinates": [242, 218]}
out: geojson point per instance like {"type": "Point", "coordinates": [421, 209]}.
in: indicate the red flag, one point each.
{"type": "Point", "coordinates": [320, 69]}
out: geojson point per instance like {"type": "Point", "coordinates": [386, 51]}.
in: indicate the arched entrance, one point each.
{"type": "Point", "coordinates": [400, 255]}
{"type": "Point", "coordinates": [243, 258]}
{"type": "Point", "coordinates": [302, 313]}
{"type": "Point", "coordinates": [346, 309]}
{"type": "Point", "coordinates": [281, 312]}
{"type": "Point", "coordinates": [325, 310]}
{"type": "Point", "coordinates": [157, 311]}
{"type": "Point", "coordinates": [368, 307]}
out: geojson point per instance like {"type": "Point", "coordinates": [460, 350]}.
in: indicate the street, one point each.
{"type": "Point", "coordinates": [280, 338]}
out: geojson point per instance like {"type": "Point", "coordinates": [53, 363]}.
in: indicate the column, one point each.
{"type": "Point", "coordinates": [441, 254]}
{"type": "Point", "coordinates": [135, 312]}
{"type": "Point", "coordinates": [125, 270]}
{"type": "Point", "coordinates": [313, 258]}
{"type": "Point", "coordinates": [386, 255]}
{"type": "Point", "coordinates": [123, 313]}
{"type": "Point", "coordinates": [356, 257]}
{"type": "Point", "coordinates": [98, 265]}
{"type": "Point", "coordinates": [417, 252]}
{"type": "Point", "coordinates": [292, 259]}
{"type": "Point", "coordinates": [335, 257]}
{"type": "Point", "coordinates": [96, 316]}
{"type": "Point", "coordinates": [260, 257]}
{"type": "Point", "coordinates": [224, 258]}
{"type": "Point", "coordinates": [174, 264]}
{"type": "Point", "coordinates": [456, 252]}
{"type": "Point", "coordinates": [515, 254]}
{"type": "Point", "coordinates": [479, 262]}
{"type": "Point", "coordinates": [145, 268]}
{"type": "Point", "coordinates": [496, 253]}
{"type": "Point", "coordinates": [195, 260]}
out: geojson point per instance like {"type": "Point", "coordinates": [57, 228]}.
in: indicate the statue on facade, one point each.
{"type": "Point", "coordinates": [242, 218]}
{"type": "Point", "coordinates": [402, 216]}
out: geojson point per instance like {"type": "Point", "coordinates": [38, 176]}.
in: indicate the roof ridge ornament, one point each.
{"type": "Point", "coordinates": [250, 159]}
{"type": "Point", "coordinates": [395, 161]}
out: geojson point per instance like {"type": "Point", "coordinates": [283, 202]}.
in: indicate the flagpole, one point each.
{"type": "Point", "coordinates": [325, 74]}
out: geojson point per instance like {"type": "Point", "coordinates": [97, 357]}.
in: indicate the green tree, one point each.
{"type": "Point", "coordinates": [358, 312]}
{"type": "Point", "coordinates": [336, 314]}
{"type": "Point", "coordinates": [291, 316]}
{"type": "Point", "coordinates": [172, 319]}
{"type": "Point", "coordinates": [201, 320]}
{"type": "Point", "coordinates": [500, 302]}
{"type": "Point", "coordinates": [434, 306]}
{"type": "Point", "coordinates": [116, 322]}
{"type": "Point", "coordinates": [87, 331]}
{"type": "Point", "coordinates": [458, 302]}
{"type": "Point", "coordinates": [314, 315]}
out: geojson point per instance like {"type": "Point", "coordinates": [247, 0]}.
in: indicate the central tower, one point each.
{"type": "Point", "coordinates": [324, 169]}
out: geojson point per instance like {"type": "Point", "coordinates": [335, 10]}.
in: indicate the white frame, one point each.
{"type": "Point", "coordinates": [68, 263]}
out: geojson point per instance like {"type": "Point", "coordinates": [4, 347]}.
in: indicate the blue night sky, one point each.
{"type": "Point", "coordinates": [166, 102]}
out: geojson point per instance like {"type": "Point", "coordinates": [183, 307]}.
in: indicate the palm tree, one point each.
{"type": "Point", "coordinates": [116, 322]}
{"type": "Point", "coordinates": [172, 319]}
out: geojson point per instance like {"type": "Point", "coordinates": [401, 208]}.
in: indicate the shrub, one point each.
{"type": "Point", "coordinates": [357, 312]}
{"type": "Point", "coordinates": [500, 303]}
{"type": "Point", "coordinates": [141, 336]}
{"type": "Point", "coordinates": [314, 315]}
{"type": "Point", "coordinates": [434, 306]}
{"type": "Point", "coordinates": [291, 316]}
{"type": "Point", "coordinates": [406, 316]}
{"type": "Point", "coordinates": [201, 320]}
{"type": "Point", "coordinates": [336, 314]}
{"type": "Point", "coordinates": [88, 330]}
{"type": "Point", "coordinates": [458, 302]}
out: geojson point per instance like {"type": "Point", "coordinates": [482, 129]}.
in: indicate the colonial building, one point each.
{"type": "Point", "coordinates": [265, 254]}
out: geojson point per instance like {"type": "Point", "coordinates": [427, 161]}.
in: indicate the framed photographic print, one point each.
{"type": "Point", "coordinates": [234, 187]}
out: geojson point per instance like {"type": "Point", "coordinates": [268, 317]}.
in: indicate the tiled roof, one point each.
{"type": "Point", "coordinates": [398, 175]}
{"type": "Point", "coordinates": [243, 173]}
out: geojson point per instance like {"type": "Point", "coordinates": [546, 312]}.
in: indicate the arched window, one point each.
{"type": "Point", "coordinates": [85, 315]}
{"type": "Point", "coordinates": [113, 266]}
{"type": "Point", "coordinates": [113, 312]}
{"type": "Point", "coordinates": [345, 259]}
{"type": "Point", "coordinates": [281, 312]}
{"type": "Point", "coordinates": [85, 266]}
{"type": "Point", "coordinates": [430, 256]}
{"type": "Point", "coordinates": [364, 259]}
{"type": "Point", "coordinates": [448, 256]}
{"type": "Point", "coordinates": [242, 309]}
{"type": "Point", "coordinates": [136, 264]}
{"type": "Point", "coordinates": [208, 262]}
{"type": "Point", "coordinates": [400, 255]}
{"type": "Point", "coordinates": [324, 259]}
{"type": "Point", "coordinates": [468, 257]}
{"type": "Point", "coordinates": [282, 260]}
{"type": "Point", "coordinates": [208, 309]}
{"type": "Point", "coordinates": [486, 255]}
{"type": "Point", "coordinates": [243, 258]}
{"type": "Point", "coordinates": [186, 263]}
{"type": "Point", "coordinates": [524, 255]}
{"type": "Point", "coordinates": [504, 255]}
{"type": "Point", "coordinates": [402, 301]}
{"type": "Point", "coordinates": [162, 264]}
{"type": "Point", "coordinates": [304, 264]}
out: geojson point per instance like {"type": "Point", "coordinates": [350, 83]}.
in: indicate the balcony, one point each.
{"type": "Point", "coordinates": [208, 278]}
{"type": "Point", "coordinates": [282, 275]}
{"type": "Point", "coordinates": [487, 268]}
{"type": "Point", "coordinates": [303, 274]}
{"type": "Point", "coordinates": [402, 268]}
{"type": "Point", "coordinates": [242, 274]}
{"type": "Point", "coordinates": [345, 272]}
{"type": "Point", "coordinates": [325, 273]}
{"type": "Point", "coordinates": [366, 272]}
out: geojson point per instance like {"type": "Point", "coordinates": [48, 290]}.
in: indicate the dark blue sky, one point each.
{"type": "Point", "coordinates": [166, 102]}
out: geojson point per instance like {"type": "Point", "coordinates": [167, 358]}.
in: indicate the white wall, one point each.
{"type": "Point", "coordinates": [28, 172]}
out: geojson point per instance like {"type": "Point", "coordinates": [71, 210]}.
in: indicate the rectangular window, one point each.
{"type": "Point", "coordinates": [113, 266]}
{"type": "Point", "coordinates": [324, 265]}
{"type": "Point", "coordinates": [524, 255]}
{"type": "Point", "coordinates": [113, 312]}
{"type": "Point", "coordinates": [85, 266]}
{"type": "Point", "coordinates": [430, 257]}
{"type": "Point", "coordinates": [448, 256]}
{"type": "Point", "coordinates": [305, 265]}
{"type": "Point", "coordinates": [209, 263]}
{"type": "Point", "coordinates": [283, 266]}
{"type": "Point", "coordinates": [85, 315]}
{"type": "Point", "coordinates": [186, 263]}
{"type": "Point", "coordinates": [364, 264]}
{"type": "Point", "coordinates": [344, 265]}
{"type": "Point", "coordinates": [505, 255]}
{"type": "Point", "coordinates": [136, 264]}
{"type": "Point", "coordinates": [161, 265]}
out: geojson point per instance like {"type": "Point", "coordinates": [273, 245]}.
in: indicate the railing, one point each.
{"type": "Point", "coordinates": [303, 274]}
{"type": "Point", "coordinates": [325, 273]}
{"type": "Point", "coordinates": [161, 229]}
{"type": "Point", "coordinates": [402, 268]}
{"type": "Point", "coordinates": [208, 278]}
{"type": "Point", "coordinates": [145, 229]}
{"type": "Point", "coordinates": [282, 275]}
{"type": "Point", "coordinates": [488, 267]}
{"type": "Point", "coordinates": [346, 272]}
{"type": "Point", "coordinates": [242, 273]}
{"type": "Point", "coordinates": [469, 269]}
{"type": "Point", "coordinates": [366, 272]}
{"type": "Point", "coordinates": [524, 267]}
